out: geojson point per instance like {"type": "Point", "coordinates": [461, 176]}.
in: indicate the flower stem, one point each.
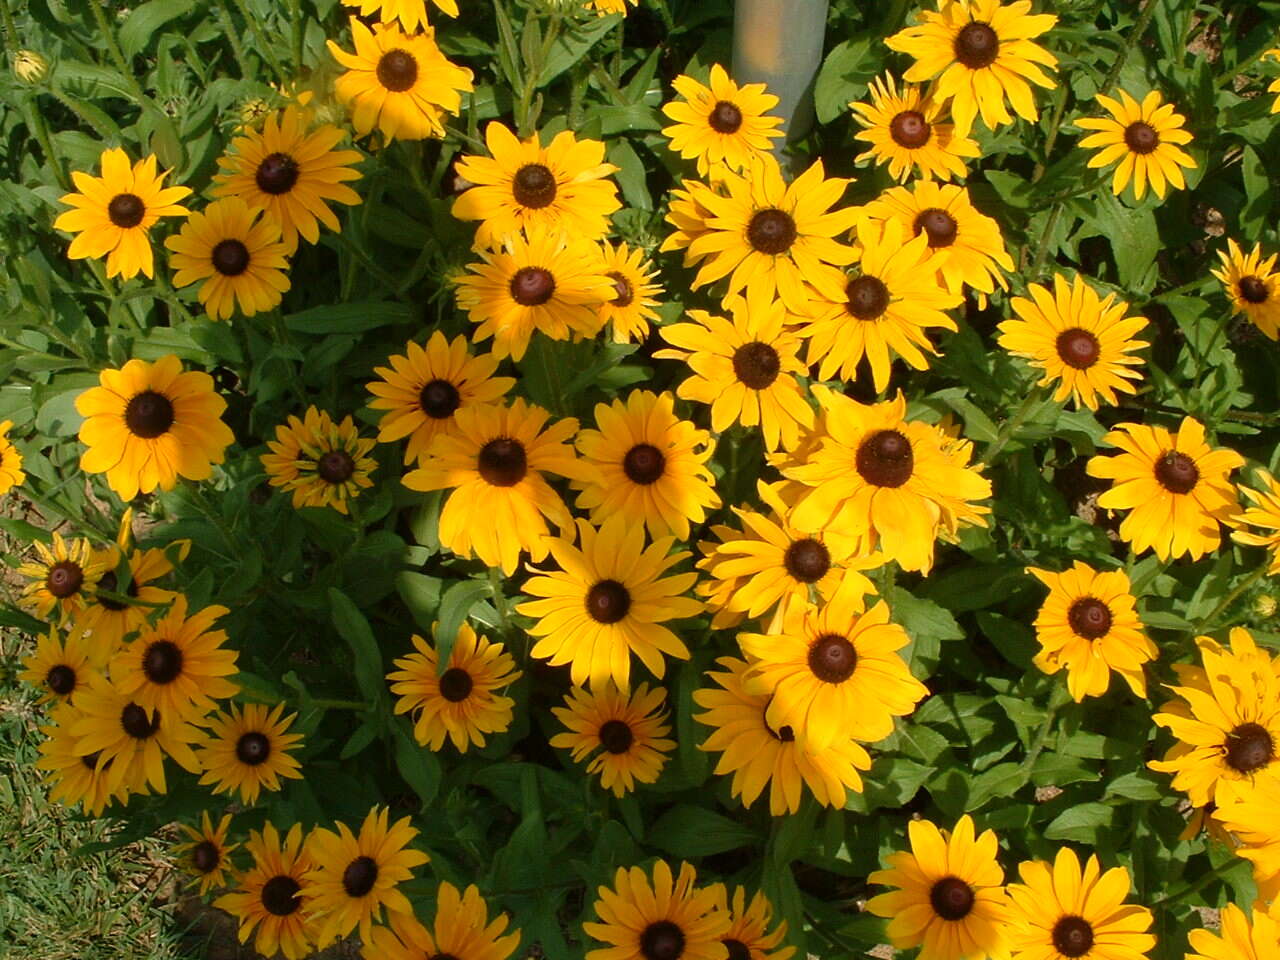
{"type": "Point", "coordinates": [340, 705]}
{"type": "Point", "coordinates": [113, 48]}
{"type": "Point", "coordinates": [1139, 28]}
{"type": "Point", "coordinates": [1012, 424]}
{"type": "Point", "coordinates": [1232, 597]}
{"type": "Point", "coordinates": [264, 48]}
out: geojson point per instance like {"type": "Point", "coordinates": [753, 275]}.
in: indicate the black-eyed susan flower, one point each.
{"type": "Point", "coordinates": [629, 730]}
{"type": "Point", "coordinates": [400, 84]}
{"type": "Point", "coordinates": [542, 279]}
{"type": "Point", "coordinates": [1089, 625]}
{"type": "Point", "coordinates": [268, 895]}
{"type": "Point", "coordinates": [1145, 137]}
{"type": "Point", "coordinates": [769, 571]}
{"type": "Point", "coordinates": [62, 578]}
{"type": "Point", "coordinates": [630, 311]}
{"type": "Point", "coordinates": [1264, 513]}
{"type": "Point", "coordinates": [11, 474]}
{"type": "Point", "coordinates": [180, 665]}
{"type": "Point", "coordinates": [1060, 910]}
{"type": "Point", "coordinates": [59, 667]}
{"type": "Point", "coordinates": [652, 465]}
{"type": "Point", "coordinates": [291, 172]}
{"type": "Point", "coordinates": [882, 308]}
{"type": "Point", "coordinates": [907, 130]}
{"type": "Point", "coordinates": [114, 213]}
{"type": "Point", "coordinates": [969, 249]}
{"type": "Point", "coordinates": [897, 484]}
{"type": "Point", "coordinates": [425, 387]}
{"type": "Point", "coordinates": [108, 620]}
{"type": "Point", "coordinates": [609, 599]}
{"type": "Point", "coordinates": [234, 252]}
{"type": "Point", "coordinates": [463, 702]}
{"type": "Point", "coordinates": [721, 123]}
{"type": "Point", "coordinates": [462, 931]}
{"type": "Point", "coordinates": [249, 750]}
{"type": "Point", "coordinates": [689, 218]}
{"type": "Point", "coordinates": [130, 741]}
{"type": "Point", "coordinates": [950, 900]}
{"type": "Point", "coordinates": [1226, 720]}
{"type": "Point", "coordinates": [495, 466]}
{"type": "Point", "coordinates": [1252, 284]}
{"type": "Point", "coordinates": [982, 53]}
{"type": "Point", "coordinates": [749, 936]}
{"type": "Point", "coordinates": [770, 236]}
{"type": "Point", "coordinates": [834, 672]}
{"type": "Point", "coordinates": [1250, 816]}
{"type": "Point", "coordinates": [76, 778]}
{"type": "Point", "coordinates": [322, 463]}
{"type": "Point", "coordinates": [563, 186]}
{"type": "Point", "coordinates": [744, 368]}
{"type": "Point", "coordinates": [1175, 487]}
{"type": "Point", "coordinates": [356, 875]}
{"type": "Point", "coordinates": [150, 423]}
{"type": "Point", "coordinates": [758, 755]}
{"type": "Point", "coordinates": [1083, 342]}
{"type": "Point", "coordinates": [1240, 936]}
{"type": "Point", "coordinates": [668, 918]}
{"type": "Point", "coordinates": [205, 857]}
{"type": "Point", "coordinates": [412, 14]}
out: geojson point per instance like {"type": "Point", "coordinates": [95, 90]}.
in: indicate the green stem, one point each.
{"type": "Point", "coordinates": [1232, 597]}
{"type": "Point", "coordinates": [1139, 28]}
{"type": "Point", "coordinates": [340, 705]}
{"type": "Point", "coordinates": [1057, 700]}
{"type": "Point", "coordinates": [35, 121]}
{"type": "Point", "coordinates": [1042, 246]}
{"type": "Point", "coordinates": [264, 48]}
{"type": "Point", "coordinates": [1011, 425]}
{"type": "Point", "coordinates": [113, 48]}
{"type": "Point", "coordinates": [229, 29]}
{"type": "Point", "coordinates": [1184, 288]}
{"type": "Point", "coordinates": [10, 29]}
{"type": "Point", "coordinates": [1055, 123]}
{"type": "Point", "coordinates": [500, 604]}
{"type": "Point", "coordinates": [72, 104]}
{"type": "Point", "coordinates": [298, 25]}
{"type": "Point", "coordinates": [1199, 884]}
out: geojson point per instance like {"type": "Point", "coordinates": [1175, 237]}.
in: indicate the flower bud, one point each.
{"type": "Point", "coordinates": [30, 67]}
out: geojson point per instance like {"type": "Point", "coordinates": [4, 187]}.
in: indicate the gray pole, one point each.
{"type": "Point", "coordinates": [779, 42]}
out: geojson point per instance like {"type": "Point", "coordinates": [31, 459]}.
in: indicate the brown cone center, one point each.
{"type": "Point", "coordinates": [1177, 472]}
{"type": "Point", "coordinates": [662, 941]}
{"type": "Point", "coordinates": [725, 118]}
{"type": "Point", "coordinates": [126, 210]}
{"type": "Point", "coordinates": [253, 748]}
{"type": "Point", "coordinates": [64, 579]}
{"type": "Point", "coordinates": [608, 601]}
{"type": "Point", "coordinates": [832, 658]}
{"type": "Point", "coordinates": [807, 560]}
{"type": "Point", "coordinates": [977, 45]}
{"type": "Point", "coordinates": [951, 898]}
{"type": "Point", "coordinates": [205, 857]}
{"type": "Point", "coordinates": [230, 258]}
{"type": "Point", "coordinates": [885, 459]}
{"type": "Point", "coordinates": [149, 415]}
{"type": "Point", "coordinates": [502, 462]}
{"type": "Point", "coordinates": [534, 186]}
{"type": "Point", "coordinates": [1254, 290]}
{"type": "Point", "coordinates": [1249, 747]}
{"type": "Point", "coordinates": [1141, 137]}
{"type": "Point", "coordinates": [1090, 618]}
{"type": "Point", "coordinates": [622, 287]}
{"type": "Point", "coordinates": [137, 723]}
{"type": "Point", "coordinates": [940, 226]}
{"type": "Point", "coordinates": [397, 70]}
{"type": "Point", "coordinates": [61, 679]}
{"type": "Point", "coordinates": [866, 298]}
{"type": "Point", "coordinates": [280, 895]}
{"type": "Point", "coordinates": [360, 876]}
{"type": "Point", "coordinates": [771, 231]}
{"type": "Point", "coordinates": [644, 464]}
{"type": "Point", "coordinates": [532, 286]}
{"type": "Point", "coordinates": [162, 661]}
{"type": "Point", "coordinates": [439, 399]}
{"type": "Point", "coordinates": [616, 736]}
{"type": "Point", "coordinates": [276, 174]}
{"type": "Point", "coordinates": [1078, 348]}
{"type": "Point", "coordinates": [336, 466]}
{"type": "Point", "coordinates": [455, 684]}
{"type": "Point", "coordinates": [910, 129]}
{"type": "Point", "coordinates": [1073, 936]}
{"type": "Point", "coordinates": [756, 365]}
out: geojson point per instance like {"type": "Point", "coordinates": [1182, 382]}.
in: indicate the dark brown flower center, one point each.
{"type": "Point", "coordinates": [253, 748]}
{"type": "Point", "coordinates": [137, 723]}
{"type": "Point", "coordinates": [149, 415]}
{"type": "Point", "coordinates": [952, 898]}
{"type": "Point", "coordinates": [61, 679]}
{"type": "Point", "coordinates": [771, 231]}
{"type": "Point", "coordinates": [110, 583]}
{"type": "Point", "coordinates": [162, 661]}
{"type": "Point", "coordinates": [439, 399]}
{"type": "Point", "coordinates": [644, 464]}
{"type": "Point", "coordinates": [1073, 936]}
{"type": "Point", "coordinates": [455, 684]}
{"type": "Point", "coordinates": [1254, 290]}
{"type": "Point", "coordinates": [126, 210]}
{"type": "Point", "coordinates": [532, 286]}
{"type": "Point", "coordinates": [276, 174]}
{"type": "Point", "coordinates": [783, 734]}
{"type": "Point", "coordinates": [502, 462]}
{"type": "Point", "coordinates": [622, 286]}
{"type": "Point", "coordinates": [616, 736]}
{"type": "Point", "coordinates": [230, 258]}
{"type": "Point", "coordinates": [1177, 472]}
{"type": "Point", "coordinates": [91, 760]}
{"type": "Point", "coordinates": [1249, 747]}
{"type": "Point", "coordinates": [832, 658]}
{"type": "Point", "coordinates": [885, 459]}
{"type": "Point", "coordinates": [1090, 618]}
{"type": "Point", "coordinates": [608, 601]}
{"type": "Point", "coordinates": [205, 857]}
{"type": "Point", "coordinates": [662, 941]}
{"type": "Point", "coordinates": [64, 579]}
{"type": "Point", "coordinates": [336, 466]}
{"type": "Point", "coordinates": [910, 129]}
{"type": "Point", "coordinates": [360, 876]}
{"type": "Point", "coordinates": [867, 298]}
{"type": "Point", "coordinates": [1141, 137]}
{"type": "Point", "coordinates": [977, 45]}
{"type": "Point", "coordinates": [737, 949]}
{"type": "Point", "coordinates": [1078, 348]}
{"type": "Point", "coordinates": [807, 560]}
{"type": "Point", "coordinates": [397, 70]}
{"type": "Point", "coordinates": [725, 118]}
{"type": "Point", "coordinates": [280, 895]}
{"type": "Point", "coordinates": [940, 226]}
{"type": "Point", "coordinates": [534, 186]}
{"type": "Point", "coordinates": [756, 365]}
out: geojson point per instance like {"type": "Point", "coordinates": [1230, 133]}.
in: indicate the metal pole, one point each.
{"type": "Point", "coordinates": [779, 42]}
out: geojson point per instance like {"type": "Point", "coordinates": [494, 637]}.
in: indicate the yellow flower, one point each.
{"type": "Point", "coordinates": [1264, 513]}
{"type": "Point", "coordinates": [400, 84]}
{"type": "Point", "coordinates": [62, 579]}
{"type": "Point", "coordinates": [906, 131]}
{"type": "Point", "coordinates": [1250, 816]}
{"type": "Point", "coordinates": [11, 474]}
{"type": "Point", "coordinates": [75, 777]}
{"type": "Point", "coordinates": [1083, 342]}
{"type": "Point", "coordinates": [1252, 285]}
{"type": "Point", "coordinates": [412, 14]}
{"type": "Point", "coordinates": [629, 730]}
{"type": "Point", "coordinates": [1148, 137]}
{"type": "Point", "coordinates": [462, 931]}
{"type": "Point", "coordinates": [248, 750]}
{"type": "Point", "coordinates": [748, 936]}
{"type": "Point", "coordinates": [59, 667]}
{"type": "Point", "coordinates": [722, 123]}
{"type": "Point", "coordinates": [667, 918]}
{"type": "Point", "coordinates": [267, 896]}
{"type": "Point", "coordinates": [1175, 487]}
{"type": "Point", "coordinates": [981, 52]}
{"type": "Point", "coordinates": [632, 306]}
{"type": "Point", "coordinates": [115, 212]}
{"type": "Point", "coordinates": [689, 218]}
{"type": "Point", "coordinates": [323, 463]}
{"type": "Point", "coordinates": [206, 855]}
{"type": "Point", "coordinates": [1239, 937]}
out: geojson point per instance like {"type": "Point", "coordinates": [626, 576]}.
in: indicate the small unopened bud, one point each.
{"type": "Point", "coordinates": [30, 67]}
{"type": "Point", "coordinates": [1264, 606]}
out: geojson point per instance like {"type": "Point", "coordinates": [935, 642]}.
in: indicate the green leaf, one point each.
{"type": "Point", "coordinates": [571, 47]}
{"type": "Point", "coordinates": [689, 831]}
{"type": "Point", "coordinates": [355, 629]}
{"type": "Point", "coordinates": [630, 175]}
{"type": "Point", "coordinates": [419, 766]}
{"type": "Point", "coordinates": [844, 76]}
{"type": "Point", "coordinates": [455, 604]}
{"type": "Point", "coordinates": [58, 416]}
{"type": "Point", "coordinates": [1002, 780]}
{"type": "Point", "coordinates": [144, 20]}
{"type": "Point", "coordinates": [349, 317]}
{"type": "Point", "coordinates": [1080, 823]}
{"type": "Point", "coordinates": [1258, 193]}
